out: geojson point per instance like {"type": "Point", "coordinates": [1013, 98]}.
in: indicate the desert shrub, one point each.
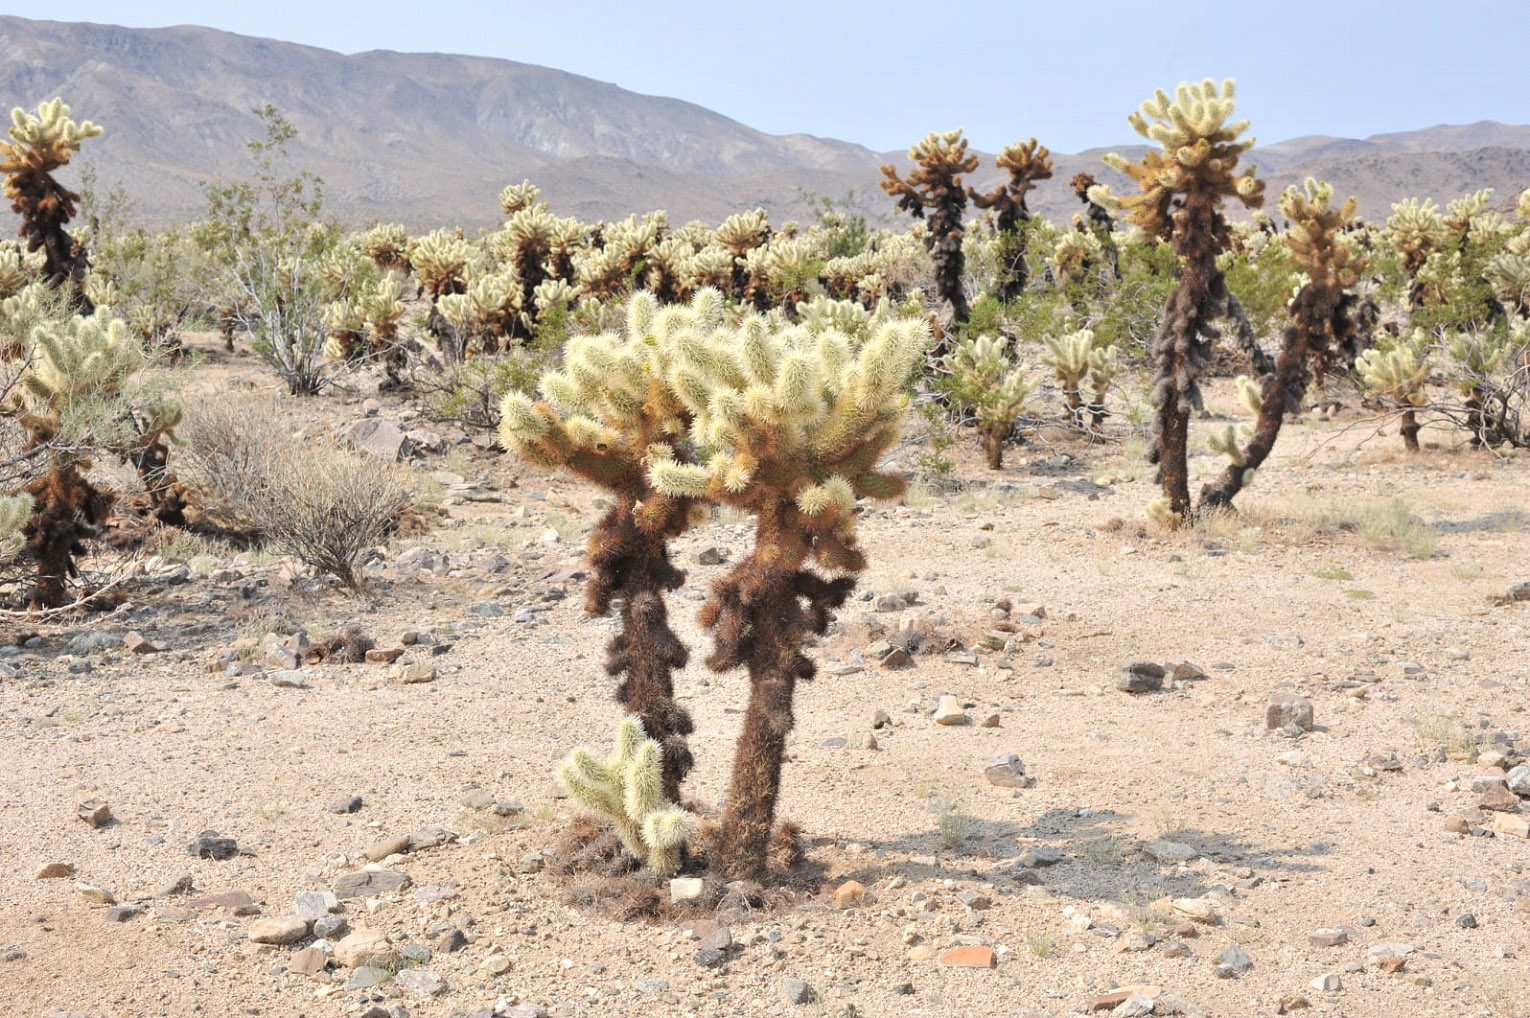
{"type": "Point", "coordinates": [323, 504]}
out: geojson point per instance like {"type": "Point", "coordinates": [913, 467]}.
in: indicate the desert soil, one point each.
{"type": "Point", "coordinates": [1371, 827]}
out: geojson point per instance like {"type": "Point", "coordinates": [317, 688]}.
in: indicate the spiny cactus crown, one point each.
{"type": "Point", "coordinates": [997, 389]}
{"type": "Point", "coordinates": [44, 141]}
{"type": "Point", "coordinates": [1071, 355]}
{"type": "Point", "coordinates": [15, 510]}
{"type": "Point", "coordinates": [1460, 212]}
{"type": "Point", "coordinates": [1416, 226]}
{"type": "Point", "coordinates": [1397, 373]}
{"type": "Point", "coordinates": [520, 196]}
{"type": "Point", "coordinates": [792, 418]}
{"type": "Point", "coordinates": [1200, 152]}
{"type": "Point", "coordinates": [1316, 235]}
{"type": "Point", "coordinates": [627, 789]}
{"type": "Point", "coordinates": [18, 267]}
{"type": "Point", "coordinates": [82, 356]}
{"type": "Point", "coordinates": [440, 259]}
{"type": "Point", "coordinates": [1026, 161]}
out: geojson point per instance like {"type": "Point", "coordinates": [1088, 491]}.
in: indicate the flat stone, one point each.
{"type": "Point", "coordinates": [384, 655]}
{"type": "Point", "coordinates": [1140, 677]}
{"type": "Point", "coordinates": [234, 901]}
{"type": "Point", "coordinates": [686, 889]}
{"type": "Point", "coordinates": [1498, 797]}
{"type": "Point", "coordinates": [710, 957]}
{"type": "Point", "coordinates": [312, 905]}
{"type": "Point", "coordinates": [1235, 958]}
{"type": "Point", "coordinates": [308, 961]}
{"type": "Point", "coordinates": [710, 933]}
{"type": "Point", "coordinates": [54, 871]}
{"type": "Point", "coordinates": [1328, 982]}
{"type": "Point", "coordinates": [424, 981]}
{"type": "Point", "coordinates": [411, 673]}
{"type": "Point", "coordinates": [366, 948]}
{"type": "Point", "coordinates": [278, 930]}
{"type": "Point", "coordinates": [364, 883]}
{"type": "Point", "coordinates": [1200, 910]}
{"type": "Point", "coordinates": [367, 976]}
{"type": "Point", "coordinates": [797, 991]}
{"type": "Point", "coordinates": [1187, 672]}
{"type": "Point", "coordinates": [1328, 938]}
{"type": "Point", "coordinates": [122, 913]}
{"type": "Point", "coordinates": [330, 927]}
{"type": "Point", "coordinates": [288, 678]}
{"type": "Point", "coordinates": [95, 895]}
{"type": "Point", "coordinates": [379, 437]}
{"type": "Point", "coordinates": [1169, 851]}
{"type": "Point", "coordinates": [1288, 709]}
{"type": "Point", "coordinates": [350, 804]}
{"type": "Point", "coordinates": [974, 957]}
{"type": "Point", "coordinates": [380, 850]}
{"type": "Point", "coordinates": [1511, 825]}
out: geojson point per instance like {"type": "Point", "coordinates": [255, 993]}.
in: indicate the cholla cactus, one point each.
{"type": "Point", "coordinates": [39, 145]}
{"type": "Point", "coordinates": [1397, 376]}
{"type": "Point", "coordinates": [1073, 357]}
{"type": "Point", "coordinates": [1416, 230]}
{"type": "Point", "coordinates": [517, 197]}
{"type": "Point", "coordinates": [440, 260]}
{"type": "Point", "coordinates": [627, 789]}
{"type": "Point", "coordinates": [387, 244]}
{"type": "Point", "coordinates": [934, 192]}
{"type": "Point", "coordinates": [608, 416]}
{"type": "Point", "coordinates": [1182, 188]}
{"type": "Point", "coordinates": [18, 267]}
{"type": "Point", "coordinates": [1322, 322]}
{"type": "Point", "coordinates": [796, 422]}
{"type": "Point", "coordinates": [1509, 276]}
{"type": "Point", "coordinates": [997, 390]}
{"type": "Point", "coordinates": [1072, 256]}
{"type": "Point", "coordinates": [1027, 162]}
{"type": "Point", "coordinates": [1099, 203]}
{"type": "Point", "coordinates": [1460, 213]}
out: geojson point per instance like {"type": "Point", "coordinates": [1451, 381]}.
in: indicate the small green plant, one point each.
{"type": "Point", "coordinates": [1107, 850]}
{"type": "Point", "coordinates": [627, 789]}
{"type": "Point", "coordinates": [1040, 944]}
{"type": "Point", "coordinates": [1393, 525]}
{"type": "Point", "coordinates": [1333, 573]}
{"type": "Point", "coordinates": [954, 825]}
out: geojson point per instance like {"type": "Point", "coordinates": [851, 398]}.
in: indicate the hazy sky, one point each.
{"type": "Point", "coordinates": [883, 74]}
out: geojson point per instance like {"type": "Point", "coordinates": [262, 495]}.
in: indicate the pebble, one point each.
{"type": "Point", "coordinates": [1006, 771]}
{"type": "Point", "coordinates": [1328, 982]}
{"type": "Point", "coordinates": [1235, 958]}
{"type": "Point", "coordinates": [365, 948]}
{"type": "Point", "coordinates": [315, 905]}
{"type": "Point", "coordinates": [288, 678]}
{"type": "Point", "coordinates": [974, 957]}
{"type": "Point", "coordinates": [94, 812]}
{"type": "Point", "coordinates": [1288, 709]}
{"type": "Point", "coordinates": [212, 845]}
{"type": "Point", "coordinates": [797, 991]}
{"type": "Point", "coordinates": [369, 882]}
{"type": "Point", "coordinates": [421, 981]}
{"type": "Point", "coordinates": [1140, 677]}
{"type": "Point", "coordinates": [685, 889]}
{"type": "Point", "coordinates": [849, 894]}
{"type": "Point", "coordinates": [53, 871]}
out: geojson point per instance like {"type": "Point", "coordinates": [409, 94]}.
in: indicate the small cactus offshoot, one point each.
{"type": "Point", "coordinates": [627, 788]}
{"type": "Point", "coordinates": [995, 388]}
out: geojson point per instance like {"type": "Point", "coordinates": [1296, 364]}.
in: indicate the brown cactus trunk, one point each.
{"type": "Point", "coordinates": [993, 448]}
{"type": "Point", "coordinates": [1410, 429]}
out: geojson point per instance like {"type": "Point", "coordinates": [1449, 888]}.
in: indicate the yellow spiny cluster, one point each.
{"type": "Point", "coordinates": [1316, 235]}
{"type": "Point", "coordinates": [42, 142]}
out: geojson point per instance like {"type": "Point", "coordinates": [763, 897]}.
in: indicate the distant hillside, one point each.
{"type": "Point", "coordinates": [427, 139]}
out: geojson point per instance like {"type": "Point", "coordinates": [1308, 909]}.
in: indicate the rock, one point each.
{"type": "Point", "coordinates": [1328, 982]}
{"type": "Point", "coordinates": [1235, 958]}
{"type": "Point", "coordinates": [350, 804]}
{"type": "Point", "coordinates": [122, 913]}
{"type": "Point", "coordinates": [710, 556]}
{"type": "Point", "coordinates": [1466, 921]}
{"type": "Point", "coordinates": [1518, 780]}
{"type": "Point", "coordinates": [237, 902]}
{"type": "Point", "coordinates": [212, 845]}
{"type": "Point", "coordinates": [330, 927]}
{"type": "Point", "coordinates": [1498, 797]}
{"type": "Point", "coordinates": [1288, 709]}
{"type": "Point", "coordinates": [1381, 954]}
{"type": "Point", "coordinates": [686, 889]}
{"type": "Point", "coordinates": [95, 895]}
{"type": "Point", "coordinates": [532, 862]}
{"type": "Point", "coordinates": [710, 957]}
{"type": "Point", "coordinates": [710, 933]}
{"type": "Point", "coordinates": [797, 991]}
{"type": "Point", "coordinates": [975, 901]}
{"type": "Point", "coordinates": [487, 610]}
{"type": "Point", "coordinates": [1187, 672]}
{"type": "Point", "coordinates": [962, 657]}
{"type": "Point", "coordinates": [380, 850]}
{"type": "Point", "coordinates": [53, 871]}
{"type": "Point", "coordinates": [137, 643]}
{"type": "Point", "coordinates": [421, 981]}
{"type": "Point", "coordinates": [1511, 826]}
{"type": "Point", "coordinates": [651, 986]}
{"type": "Point", "coordinates": [1006, 771]}
{"type": "Point", "coordinates": [1328, 938]}
{"type": "Point", "coordinates": [973, 957]}
{"type": "Point", "coordinates": [365, 883]}
{"type": "Point", "coordinates": [896, 659]}
{"type": "Point", "coordinates": [849, 894]}
{"type": "Point", "coordinates": [949, 712]}
{"type": "Point", "coordinates": [430, 837]}
{"type": "Point", "coordinates": [411, 673]}
{"type": "Point", "coordinates": [94, 812]}
{"type": "Point", "coordinates": [881, 719]}
{"type": "Point", "coordinates": [281, 930]}
{"type": "Point", "coordinates": [308, 961]}
{"type": "Point", "coordinates": [314, 905]}
{"type": "Point", "coordinates": [1519, 592]}
{"type": "Point", "coordinates": [1137, 1005]}
{"type": "Point", "coordinates": [288, 678]}
{"type": "Point", "coordinates": [1140, 677]}
{"type": "Point", "coordinates": [1169, 851]}
{"type": "Point", "coordinates": [366, 948]}
{"type": "Point", "coordinates": [1200, 910]}
{"type": "Point", "coordinates": [378, 437]}
{"type": "Point", "coordinates": [384, 655]}
{"type": "Point", "coordinates": [450, 941]}
{"type": "Point", "coordinates": [888, 603]}
{"type": "Point", "coordinates": [367, 976]}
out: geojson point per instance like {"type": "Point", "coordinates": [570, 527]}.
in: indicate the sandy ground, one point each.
{"type": "Point", "coordinates": [1402, 657]}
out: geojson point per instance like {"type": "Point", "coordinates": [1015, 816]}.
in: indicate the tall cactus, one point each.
{"type": "Point", "coordinates": [1397, 375]}
{"type": "Point", "coordinates": [607, 416]}
{"type": "Point", "coordinates": [934, 192]}
{"type": "Point", "coordinates": [40, 144]}
{"type": "Point", "coordinates": [1322, 319]}
{"type": "Point", "coordinates": [1027, 162]}
{"type": "Point", "coordinates": [1182, 188]}
{"type": "Point", "coordinates": [797, 422]}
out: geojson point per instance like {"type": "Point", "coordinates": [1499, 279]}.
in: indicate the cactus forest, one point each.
{"type": "Point", "coordinates": [945, 611]}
